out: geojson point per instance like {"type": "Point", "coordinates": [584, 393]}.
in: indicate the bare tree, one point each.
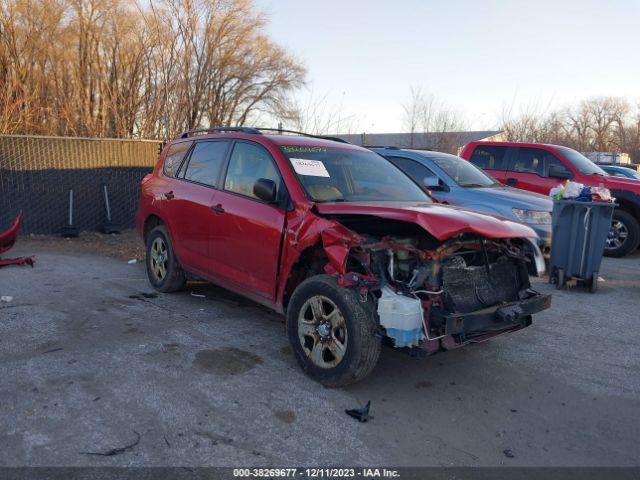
{"type": "Point", "coordinates": [594, 124]}
{"type": "Point", "coordinates": [425, 114]}
{"type": "Point", "coordinates": [313, 113]}
{"type": "Point", "coordinates": [119, 69]}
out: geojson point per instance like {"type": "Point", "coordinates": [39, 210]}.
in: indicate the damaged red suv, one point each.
{"type": "Point", "coordinates": [338, 239]}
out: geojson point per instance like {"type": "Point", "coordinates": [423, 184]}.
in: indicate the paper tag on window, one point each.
{"type": "Point", "coordinates": [312, 168]}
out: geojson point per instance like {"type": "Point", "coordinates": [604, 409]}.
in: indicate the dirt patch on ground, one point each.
{"type": "Point", "coordinates": [286, 416]}
{"type": "Point", "coordinates": [226, 361]}
{"type": "Point", "coordinates": [124, 246]}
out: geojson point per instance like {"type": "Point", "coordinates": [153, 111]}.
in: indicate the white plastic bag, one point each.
{"type": "Point", "coordinates": [557, 192]}
{"type": "Point", "coordinates": [572, 189]}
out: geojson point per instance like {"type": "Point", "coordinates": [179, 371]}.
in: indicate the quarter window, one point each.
{"type": "Point", "coordinates": [489, 157]}
{"type": "Point", "coordinates": [249, 163]}
{"type": "Point", "coordinates": [174, 158]}
{"type": "Point", "coordinates": [205, 162]}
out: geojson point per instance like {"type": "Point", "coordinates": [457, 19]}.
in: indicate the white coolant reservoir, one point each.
{"type": "Point", "coordinates": [401, 316]}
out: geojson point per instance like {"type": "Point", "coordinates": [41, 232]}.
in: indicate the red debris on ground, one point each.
{"type": "Point", "coordinates": [8, 240]}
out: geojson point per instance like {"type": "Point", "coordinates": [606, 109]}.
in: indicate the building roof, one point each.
{"type": "Point", "coordinates": [419, 140]}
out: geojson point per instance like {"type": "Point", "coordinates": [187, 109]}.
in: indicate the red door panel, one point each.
{"type": "Point", "coordinates": [190, 219]}
{"type": "Point", "coordinates": [531, 182]}
{"type": "Point", "coordinates": [245, 243]}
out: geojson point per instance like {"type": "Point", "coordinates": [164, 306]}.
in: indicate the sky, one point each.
{"type": "Point", "coordinates": [479, 57]}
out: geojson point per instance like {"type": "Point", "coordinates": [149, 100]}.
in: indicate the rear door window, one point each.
{"type": "Point", "coordinates": [489, 157]}
{"type": "Point", "coordinates": [174, 158]}
{"type": "Point", "coordinates": [205, 162]}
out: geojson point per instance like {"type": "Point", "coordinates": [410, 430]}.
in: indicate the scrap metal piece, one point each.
{"type": "Point", "coordinates": [18, 261]}
{"type": "Point", "coordinates": [8, 239]}
{"type": "Point", "coordinates": [118, 450]}
{"type": "Point", "coordinates": [360, 414]}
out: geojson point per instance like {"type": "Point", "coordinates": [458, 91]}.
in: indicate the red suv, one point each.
{"type": "Point", "coordinates": [539, 168]}
{"type": "Point", "coordinates": [339, 239]}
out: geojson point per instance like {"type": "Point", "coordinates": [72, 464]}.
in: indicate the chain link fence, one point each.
{"type": "Point", "coordinates": [36, 174]}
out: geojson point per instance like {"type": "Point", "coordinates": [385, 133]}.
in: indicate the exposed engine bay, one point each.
{"type": "Point", "coordinates": [441, 295]}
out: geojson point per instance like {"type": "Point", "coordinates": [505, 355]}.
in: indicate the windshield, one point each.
{"type": "Point", "coordinates": [341, 175]}
{"type": "Point", "coordinates": [466, 174]}
{"type": "Point", "coordinates": [582, 163]}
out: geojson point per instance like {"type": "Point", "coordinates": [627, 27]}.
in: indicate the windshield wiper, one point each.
{"type": "Point", "coordinates": [473, 185]}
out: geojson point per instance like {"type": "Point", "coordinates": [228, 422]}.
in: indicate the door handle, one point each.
{"type": "Point", "coordinates": [512, 181]}
{"type": "Point", "coordinates": [169, 195]}
{"type": "Point", "coordinates": [217, 208]}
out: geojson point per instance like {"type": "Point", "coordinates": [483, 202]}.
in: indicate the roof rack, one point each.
{"type": "Point", "coordinates": [257, 131]}
{"type": "Point", "coordinates": [390, 147]}
{"type": "Point", "coordinates": [191, 133]}
{"type": "Point", "coordinates": [324, 137]}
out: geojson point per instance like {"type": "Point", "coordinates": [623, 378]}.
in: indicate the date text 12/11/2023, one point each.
{"type": "Point", "coordinates": [315, 473]}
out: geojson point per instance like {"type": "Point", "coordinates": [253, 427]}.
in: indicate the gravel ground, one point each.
{"type": "Point", "coordinates": [91, 357]}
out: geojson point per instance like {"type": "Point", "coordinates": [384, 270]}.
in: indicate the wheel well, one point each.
{"type": "Point", "coordinates": [310, 262]}
{"type": "Point", "coordinates": [150, 223]}
{"type": "Point", "coordinates": [629, 207]}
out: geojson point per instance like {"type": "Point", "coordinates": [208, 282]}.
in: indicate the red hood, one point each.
{"type": "Point", "coordinates": [441, 221]}
{"type": "Point", "coordinates": [616, 183]}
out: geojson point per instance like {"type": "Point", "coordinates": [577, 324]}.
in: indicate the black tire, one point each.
{"type": "Point", "coordinates": [358, 330]}
{"type": "Point", "coordinates": [623, 223]}
{"type": "Point", "coordinates": [167, 275]}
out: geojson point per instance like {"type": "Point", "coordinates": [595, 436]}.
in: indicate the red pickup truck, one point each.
{"type": "Point", "coordinates": [539, 167]}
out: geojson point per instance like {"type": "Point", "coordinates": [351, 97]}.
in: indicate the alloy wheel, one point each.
{"type": "Point", "coordinates": [159, 258]}
{"type": "Point", "coordinates": [617, 235]}
{"type": "Point", "coordinates": [322, 331]}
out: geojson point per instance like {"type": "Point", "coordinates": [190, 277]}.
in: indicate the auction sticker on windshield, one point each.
{"type": "Point", "coordinates": [312, 168]}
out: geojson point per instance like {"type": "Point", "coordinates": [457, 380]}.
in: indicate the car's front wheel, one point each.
{"type": "Point", "coordinates": [163, 269]}
{"type": "Point", "coordinates": [624, 235]}
{"type": "Point", "coordinates": [333, 331]}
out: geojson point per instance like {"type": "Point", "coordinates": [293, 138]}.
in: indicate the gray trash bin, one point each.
{"type": "Point", "coordinates": [579, 233]}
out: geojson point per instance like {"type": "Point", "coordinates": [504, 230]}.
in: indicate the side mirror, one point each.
{"type": "Point", "coordinates": [431, 182]}
{"type": "Point", "coordinates": [559, 172]}
{"type": "Point", "coordinates": [265, 190]}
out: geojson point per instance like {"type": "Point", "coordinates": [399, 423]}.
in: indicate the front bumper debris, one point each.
{"type": "Point", "coordinates": [491, 320]}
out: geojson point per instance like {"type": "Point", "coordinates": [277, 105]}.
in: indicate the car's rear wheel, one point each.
{"type": "Point", "coordinates": [163, 269]}
{"type": "Point", "coordinates": [333, 332]}
{"type": "Point", "coordinates": [624, 235]}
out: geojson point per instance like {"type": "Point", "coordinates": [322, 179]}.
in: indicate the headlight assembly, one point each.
{"type": "Point", "coordinates": [533, 216]}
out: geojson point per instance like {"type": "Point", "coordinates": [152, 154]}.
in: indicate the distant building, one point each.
{"type": "Point", "coordinates": [439, 141]}
{"type": "Point", "coordinates": [607, 158]}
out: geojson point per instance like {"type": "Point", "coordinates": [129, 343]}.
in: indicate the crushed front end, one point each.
{"type": "Point", "coordinates": [439, 297]}
{"type": "Point", "coordinates": [485, 291]}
